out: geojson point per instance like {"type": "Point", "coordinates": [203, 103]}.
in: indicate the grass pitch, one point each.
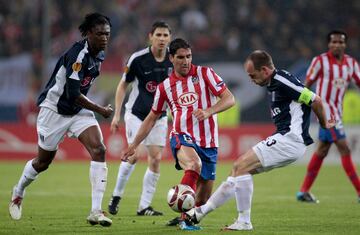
{"type": "Point", "coordinates": [58, 202]}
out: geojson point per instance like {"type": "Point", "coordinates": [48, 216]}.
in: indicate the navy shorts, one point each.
{"type": "Point", "coordinates": [331, 135]}
{"type": "Point", "coordinates": [208, 156]}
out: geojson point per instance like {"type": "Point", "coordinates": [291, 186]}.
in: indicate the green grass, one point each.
{"type": "Point", "coordinates": [58, 202]}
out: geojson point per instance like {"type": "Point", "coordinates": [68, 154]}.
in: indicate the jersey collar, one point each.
{"type": "Point", "coordinates": [192, 73]}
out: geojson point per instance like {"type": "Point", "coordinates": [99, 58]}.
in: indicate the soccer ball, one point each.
{"type": "Point", "coordinates": [181, 198]}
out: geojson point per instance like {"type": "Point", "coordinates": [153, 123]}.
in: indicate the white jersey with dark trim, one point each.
{"type": "Point", "coordinates": [73, 75]}
{"type": "Point", "coordinates": [146, 73]}
{"type": "Point", "coordinates": [288, 114]}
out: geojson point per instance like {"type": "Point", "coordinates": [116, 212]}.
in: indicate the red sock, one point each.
{"type": "Point", "coordinates": [351, 172]}
{"type": "Point", "coordinates": [190, 178]}
{"type": "Point", "coordinates": [312, 171]}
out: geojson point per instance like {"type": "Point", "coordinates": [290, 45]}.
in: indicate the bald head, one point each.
{"type": "Point", "coordinates": [259, 66]}
{"type": "Point", "coordinates": [260, 58]}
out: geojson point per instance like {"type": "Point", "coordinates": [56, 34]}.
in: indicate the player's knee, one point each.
{"type": "Point", "coordinates": [40, 166]}
{"type": "Point", "coordinates": [98, 152]}
{"type": "Point", "coordinates": [238, 168]}
{"type": "Point", "coordinates": [344, 151]}
{"type": "Point", "coordinates": [322, 152]}
{"type": "Point", "coordinates": [155, 159]}
{"type": "Point", "coordinates": [195, 165]}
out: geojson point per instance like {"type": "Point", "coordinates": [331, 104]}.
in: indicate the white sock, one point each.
{"type": "Point", "coordinates": [29, 175]}
{"type": "Point", "coordinates": [244, 188]}
{"type": "Point", "coordinates": [125, 170]}
{"type": "Point", "coordinates": [222, 194]}
{"type": "Point", "coordinates": [98, 177]}
{"type": "Point", "coordinates": [149, 188]}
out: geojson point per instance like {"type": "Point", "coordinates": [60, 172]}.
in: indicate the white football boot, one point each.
{"type": "Point", "coordinates": [195, 215]}
{"type": "Point", "coordinates": [15, 207]}
{"type": "Point", "coordinates": [98, 217]}
{"type": "Point", "coordinates": [238, 226]}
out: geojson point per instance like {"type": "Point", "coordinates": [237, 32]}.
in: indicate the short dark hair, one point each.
{"type": "Point", "coordinates": [337, 32]}
{"type": "Point", "coordinates": [159, 24]}
{"type": "Point", "coordinates": [176, 44]}
{"type": "Point", "coordinates": [92, 20]}
{"type": "Point", "coordinates": [260, 58]}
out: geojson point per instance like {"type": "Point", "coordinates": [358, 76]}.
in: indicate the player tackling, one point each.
{"type": "Point", "coordinates": [291, 105]}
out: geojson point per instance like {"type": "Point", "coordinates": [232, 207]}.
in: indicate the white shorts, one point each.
{"type": "Point", "coordinates": [52, 127]}
{"type": "Point", "coordinates": [157, 135]}
{"type": "Point", "coordinates": [279, 150]}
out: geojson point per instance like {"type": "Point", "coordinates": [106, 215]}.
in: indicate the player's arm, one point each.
{"type": "Point", "coordinates": [356, 73]}
{"type": "Point", "coordinates": [226, 101]}
{"type": "Point", "coordinates": [119, 98]}
{"type": "Point", "coordinates": [85, 102]}
{"type": "Point", "coordinates": [143, 131]}
{"type": "Point", "coordinates": [73, 94]}
{"type": "Point", "coordinates": [310, 98]}
{"type": "Point", "coordinates": [313, 72]}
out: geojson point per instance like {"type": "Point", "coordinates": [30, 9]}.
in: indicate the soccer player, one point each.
{"type": "Point", "coordinates": [333, 72]}
{"type": "Point", "coordinates": [291, 105]}
{"type": "Point", "coordinates": [65, 109]}
{"type": "Point", "coordinates": [194, 94]}
{"type": "Point", "coordinates": [145, 69]}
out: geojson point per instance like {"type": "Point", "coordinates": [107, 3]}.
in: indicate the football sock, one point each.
{"type": "Point", "coordinates": [190, 178]}
{"type": "Point", "coordinates": [98, 177]}
{"type": "Point", "coordinates": [351, 172]}
{"type": "Point", "coordinates": [125, 170]}
{"type": "Point", "coordinates": [222, 194]}
{"type": "Point", "coordinates": [312, 171]}
{"type": "Point", "coordinates": [149, 188]}
{"type": "Point", "coordinates": [29, 175]}
{"type": "Point", "coordinates": [244, 188]}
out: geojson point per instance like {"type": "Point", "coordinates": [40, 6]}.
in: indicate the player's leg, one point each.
{"type": "Point", "coordinates": [155, 142]}
{"type": "Point", "coordinates": [313, 168]}
{"type": "Point", "coordinates": [124, 173]}
{"type": "Point", "coordinates": [238, 184]}
{"type": "Point", "coordinates": [51, 128]}
{"type": "Point", "coordinates": [190, 162]}
{"type": "Point", "coordinates": [29, 174]}
{"type": "Point", "coordinates": [92, 139]}
{"type": "Point", "coordinates": [203, 191]}
{"type": "Point", "coordinates": [132, 124]}
{"type": "Point", "coordinates": [348, 165]}
{"type": "Point", "coordinates": [150, 180]}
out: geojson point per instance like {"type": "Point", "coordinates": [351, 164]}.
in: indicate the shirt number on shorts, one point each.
{"type": "Point", "coordinates": [270, 142]}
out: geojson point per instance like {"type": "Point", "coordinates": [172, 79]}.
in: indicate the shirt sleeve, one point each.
{"type": "Point", "coordinates": [159, 104]}
{"type": "Point", "coordinates": [314, 70]}
{"type": "Point", "coordinates": [295, 90]}
{"type": "Point", "coordinates": [75, 65]}
{"type": "Point", "coordinates": [215, 83]}
{"type": "Point", "coordinates": [130, 70]}
{"type": "Point", "coordinates": [356, 73]}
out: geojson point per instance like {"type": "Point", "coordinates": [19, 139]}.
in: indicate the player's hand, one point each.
{"type": "Point", "coordinates": [201, 114]}
{"type": "Point", "coordinates": [115, 123]}
{"type": "Point", "coordinates": [330, 123]}
{"type": "Point", "coordinates": [127, 153]}
{"type": "Point", "coordinates": [108, 110]}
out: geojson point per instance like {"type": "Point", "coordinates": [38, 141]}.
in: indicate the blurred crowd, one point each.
{"type": "Point", "coordinates": [217, 30]}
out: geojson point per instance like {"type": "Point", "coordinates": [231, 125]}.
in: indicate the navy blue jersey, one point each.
{"type": "Point", "coordinates": [288, 114]}
{"type": "Point", "coordinates": [145, 73]}
{"type": "Point", "coordinates": [73, 75]}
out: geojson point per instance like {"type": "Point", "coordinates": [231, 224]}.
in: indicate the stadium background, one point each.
{"type": "Point", "coordinates": [34, 33]}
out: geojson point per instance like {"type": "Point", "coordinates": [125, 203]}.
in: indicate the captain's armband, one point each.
{"type": "Point", "coordinates": [306, 97]}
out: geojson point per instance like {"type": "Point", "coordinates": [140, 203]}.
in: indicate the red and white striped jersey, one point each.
{"type": "Point", "coordinates": [199, 90]}
{"type": "Point", "coordinates": [333, 79]}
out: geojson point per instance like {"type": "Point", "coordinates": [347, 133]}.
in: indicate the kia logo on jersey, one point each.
{"type": "Point", "coordinates": [188, 98]}
{"type": "Point", "coordinates": [86, 81]}
{"type": "Point", "coordinates": [151, 86]}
